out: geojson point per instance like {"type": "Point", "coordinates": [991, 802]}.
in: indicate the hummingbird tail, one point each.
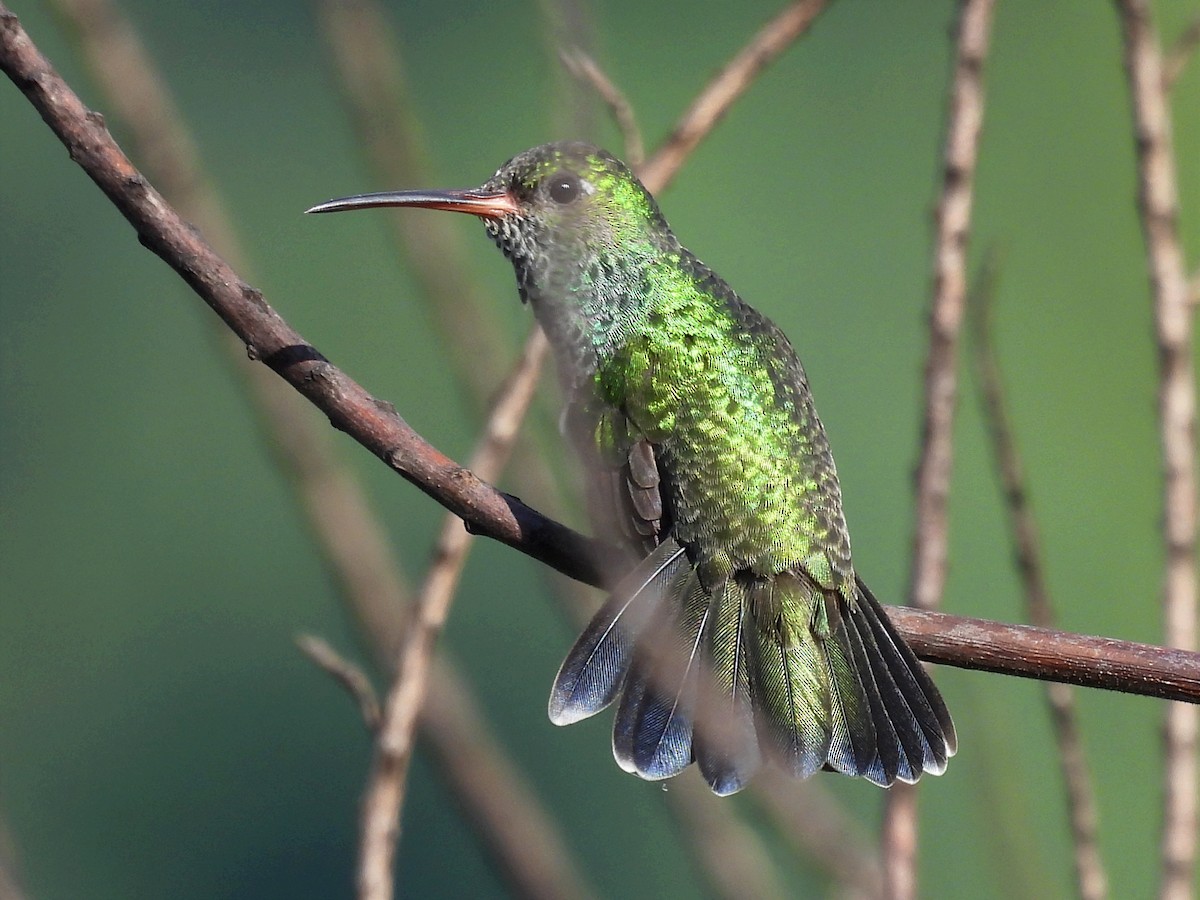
{"type": "Point", "coordinates": [761, 665]}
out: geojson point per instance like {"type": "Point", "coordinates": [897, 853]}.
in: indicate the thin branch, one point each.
{"type": "Point", "coordinates": [1159, 207]}
{"type": "Point", "coordinates": [927, 579]}
{"type": "Point", "coordinates": [1048, 655]}
{"type": "Point", "coordinates": [1091, 880]}
{"type": "Point", "coordinates": [10, 884]}
{"type": "Point", "coordinates": [726, 86]}
{"type": "Point", "coordinates": [952, 229]}
{"type": "Point", "coordinates": [350, 408]}
{"type": "Point", "coordinates": [394, 745]}
{"type": "Point", "coordinates": [345, 673]}
{"type": "Point", "coordinates": [367, 57]}
{"type": "Point", "coordinates": [1181, 54]}
{"type": "Point", "coordinates": [587, 71]}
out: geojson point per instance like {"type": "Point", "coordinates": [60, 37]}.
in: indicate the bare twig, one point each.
{"type": "Point", "coordinates": [587, 71]}
{"type": "Point", "coordinates": [394, 745]}
{"type": "Point", "coordinates": [1091, 880]}
{"type": "Point", "coordinates": [1047, 655]}
{"type": "Point", "coordinates": [953, 221]}
{"type": "Point", "coordinates": [1180, 54]}
{"type": "Point", "coordinates": [345, 673]}
{"type": "Point", "coordinates": [927, 579]}
{"type": "Point", "coordinates": [726, 86]}
{"type": "Point", "coordinates": [1159, 206]}
{"type": "Point", "coordinates": [10, 885]}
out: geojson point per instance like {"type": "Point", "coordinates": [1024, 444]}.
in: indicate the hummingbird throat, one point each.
{"type": "Point", "coordinates": [588, 299]}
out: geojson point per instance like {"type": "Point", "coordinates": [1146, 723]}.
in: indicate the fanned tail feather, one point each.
{"type": "Point", "coordinates": [728, 760]}
{"type": "Point", "coordinates": [775, 665]}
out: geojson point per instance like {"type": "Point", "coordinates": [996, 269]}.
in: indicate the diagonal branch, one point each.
{"type": "Point", "coordinates": [350, 408]}
{"type": "Point", "coordinates": [508, 817]}
{"type": "Point", "coordinates": [395, 741]}
{"type": "Point", "coordinates": [726, 86]}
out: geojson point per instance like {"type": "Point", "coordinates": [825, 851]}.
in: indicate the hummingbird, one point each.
{"type": "Point", "coordinates": [742, 631]}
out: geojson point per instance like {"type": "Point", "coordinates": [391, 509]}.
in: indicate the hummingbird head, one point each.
{"type": "Point", "coordinates": [577, 207]}
{"type": "Point", "coordinates": [581, 231]}
{"type": "Point", "coordinates": [565, 214]}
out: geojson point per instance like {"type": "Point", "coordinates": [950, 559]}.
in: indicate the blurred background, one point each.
{"type": "Point", "coordinates": [160, 734]}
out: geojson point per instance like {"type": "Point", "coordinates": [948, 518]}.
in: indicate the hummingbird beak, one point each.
{"type": "Point", "coordinates": [485, 204]}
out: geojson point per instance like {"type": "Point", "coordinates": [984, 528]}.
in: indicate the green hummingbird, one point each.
{"type": "Point", "coordinates": [742, 630]}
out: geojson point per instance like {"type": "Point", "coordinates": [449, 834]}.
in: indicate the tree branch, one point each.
{"type": "Point", "coordinates": [345, 673]}
{"type": "Point", "coordinates": [523, 838]}
{"type": "Point", "coordinates": [349, 407]}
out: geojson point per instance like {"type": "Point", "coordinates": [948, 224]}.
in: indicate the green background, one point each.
{"type": "Point", "coordinates": [161, 736]}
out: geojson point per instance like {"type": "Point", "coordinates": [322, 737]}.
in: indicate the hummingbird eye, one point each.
{"type": "Point", "coordinates": [565, 187]}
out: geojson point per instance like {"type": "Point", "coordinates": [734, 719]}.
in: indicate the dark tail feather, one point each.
{"type": "Point", "coordinates": [853, 745]}
{"type": "Point", "coordinates": [729, 759]}
{"type": "Point", "coordinates": [594, 669]}
{"type": "Point", "coordinates": [836, 686]}
{"type": "Point", "coordinates": [777, 663]}
{"type": "Point", "coordinates": [915, 707]}
{"type": "Point", "coordinates": [657, 728]}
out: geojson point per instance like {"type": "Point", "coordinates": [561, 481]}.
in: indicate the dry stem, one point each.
{"type": "Point", "coordinates": [931, 535]}
{"type": "Point", "coordinates": [1159, 207]}
{"type": "Point", "coordinates": [394, 744]}
{"type": "Point", "coordinates": [1091, 880]}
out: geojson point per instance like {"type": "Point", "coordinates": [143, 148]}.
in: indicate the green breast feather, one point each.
{"type": "Point", "coordinates": [752, 482]}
